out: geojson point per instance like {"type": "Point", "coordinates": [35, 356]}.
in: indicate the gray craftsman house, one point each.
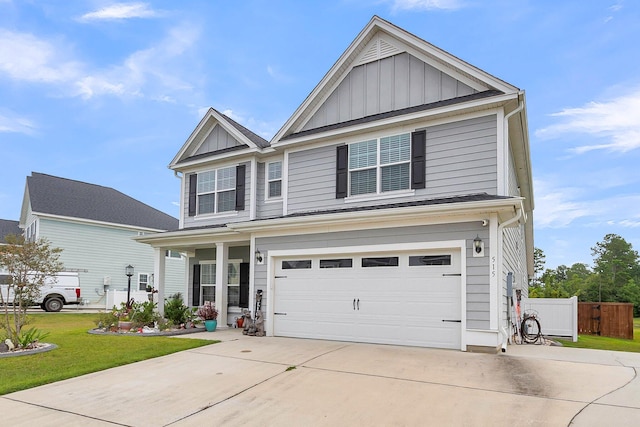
{"type": "Point", "coordinates": [95, 226]}
{"type": "Point", "coordinates": [391, 207]}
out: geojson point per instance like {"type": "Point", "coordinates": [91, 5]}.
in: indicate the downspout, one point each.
{"type": "Point", "coordinates": [501, 227]}
{"type": "Point", "coordinates": [517, 217]}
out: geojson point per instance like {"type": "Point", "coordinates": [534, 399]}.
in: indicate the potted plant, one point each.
{"type": "Point", "coordinates": [209, 314]}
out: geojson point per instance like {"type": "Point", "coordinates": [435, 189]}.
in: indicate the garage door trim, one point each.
{"type": "Point", "coordinates": [274, 255]}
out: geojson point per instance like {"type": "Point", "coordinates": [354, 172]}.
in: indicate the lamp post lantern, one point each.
{"type": "Point", "coordinates": [128, 270]}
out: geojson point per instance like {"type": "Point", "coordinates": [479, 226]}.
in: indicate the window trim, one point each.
{"type": "Point", "coordinates": [216, 192]}
{"type": "Point", "coordinates": [147, 283]}
{"type": "Point", "coordinates": [208, 285]}
{"type": "Point", "coordinates": [378, 167]}
{"type": "Point", "coordinates": [267, 181]}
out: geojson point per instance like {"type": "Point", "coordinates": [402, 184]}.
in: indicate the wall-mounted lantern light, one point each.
{"type": "Point", "coordinates": [477, 244]}
{"type": "Point", "coordinates": [259, 257]}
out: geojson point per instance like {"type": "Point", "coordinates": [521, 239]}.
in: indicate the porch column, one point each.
{"type": "Point", "coordinates": [159, 276]}
{"type": "Point", "coordinates": [222, 260]}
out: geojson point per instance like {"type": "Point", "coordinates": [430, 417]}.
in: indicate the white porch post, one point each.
{"type": "Point", "coordinates": [159, 276]}
{"type": "Point", "coordinates": [221, 282]}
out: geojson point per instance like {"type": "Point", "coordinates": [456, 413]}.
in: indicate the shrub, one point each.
{"type": "Point", "coordinates": [175, 311]}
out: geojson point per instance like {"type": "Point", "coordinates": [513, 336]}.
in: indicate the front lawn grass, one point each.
{"type": "Point", "coordinates": [79, 352]}
{"type": "Point", "coordinates": [607, 343]}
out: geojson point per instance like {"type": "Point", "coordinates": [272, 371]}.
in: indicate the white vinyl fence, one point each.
{"type": "Point", "coordinates": [557, 316]}
{"type": "Point", "coordinates": [117, 297]}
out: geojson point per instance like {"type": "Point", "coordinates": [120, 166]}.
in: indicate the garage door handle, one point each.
{"type": "Point", "coordinates": [279, 314]}
{"type": "Point", "coordinates": [454, 321]}
{"type": "Point", "coordinates": [452, 274]}
{"type": "Point", "coordinates": [358, 304]}
{"type": "Point", "coordinates": [354, 303]}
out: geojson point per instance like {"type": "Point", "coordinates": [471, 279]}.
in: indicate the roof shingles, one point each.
{"type": "Point", "coordinates": [65, 197]}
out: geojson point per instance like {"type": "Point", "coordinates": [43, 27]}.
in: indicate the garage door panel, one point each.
{"type": "Point", "coordinates": [403, 305]}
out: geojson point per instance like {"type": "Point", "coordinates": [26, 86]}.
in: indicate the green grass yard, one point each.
{"type": "Point", "coordinates": [79, 352]}
{"type": "Point", "coordinates": [606, 343]}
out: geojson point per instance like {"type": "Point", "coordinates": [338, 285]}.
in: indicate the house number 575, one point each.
{"type": "Point", "coordinates": [493, 266]}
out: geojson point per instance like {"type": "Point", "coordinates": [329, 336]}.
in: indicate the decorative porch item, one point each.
{"type": "Point", "coordinates": [209, 314]}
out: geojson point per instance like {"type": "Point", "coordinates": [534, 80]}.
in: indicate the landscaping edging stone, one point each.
{"type": "Point", "coordinates": [45, 347]}
{"type": "Point", "coordinates": [149, 334]}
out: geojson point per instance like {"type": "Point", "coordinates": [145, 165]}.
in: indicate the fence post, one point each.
{"type": "Point", "coordinates": [574, 317]}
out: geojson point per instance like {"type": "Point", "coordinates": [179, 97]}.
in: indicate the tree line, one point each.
{"type": "Point", "coordinates": [614, 277]}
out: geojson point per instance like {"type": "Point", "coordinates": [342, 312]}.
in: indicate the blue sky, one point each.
{"type": "Point", "coordinates": [107, 92]}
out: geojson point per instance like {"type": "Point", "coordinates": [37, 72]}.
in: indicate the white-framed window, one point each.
{"type": "Point", "coordinates": [216, 191]}
{"type": "Point", "coordinates": [233, 282]}
{"type": "Point", "coordinates": [143, 281]}
{"type": "Point", "coordinates": [208, 281]}
{"type": "Point", "coordinates": [380, 165]}
{"type": "Point", "coordinates": [274, 179]}
{"type": "Point", "coordinates": [172, 254]}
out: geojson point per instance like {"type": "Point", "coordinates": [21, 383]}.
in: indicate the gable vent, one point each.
{"type": "Point", "coordinates": [378, 49]}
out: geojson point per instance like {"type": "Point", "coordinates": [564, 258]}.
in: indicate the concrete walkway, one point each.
{"type": "Point", "coordinates": [251, 381]}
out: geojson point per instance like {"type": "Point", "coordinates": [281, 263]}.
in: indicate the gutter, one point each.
{"type": "Point", "coordinates": [501, 227]}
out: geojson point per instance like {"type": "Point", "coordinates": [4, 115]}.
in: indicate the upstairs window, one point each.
{"type": "Point", "coordinates": [380, 165]}
{"type": "Point", "coordinates": [216, 191]}
{"type": "Point", "coordinates": [274, 180]}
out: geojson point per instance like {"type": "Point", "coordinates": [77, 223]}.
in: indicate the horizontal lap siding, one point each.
{"type": "Point", "coordinates": [104, 252]}
{"type": "Point", "coordinates": [312, 181]}
{"type": "Point", "coordinates": [462, 157]}
{"type": "Point", "coordinates": [477, 268]}
{"type": "Point", "coordinates": [223, 218]}
{"type": "Point", "coordinates": [265, 209]}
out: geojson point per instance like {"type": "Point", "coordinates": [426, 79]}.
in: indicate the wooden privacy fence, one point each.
{"type": "Point", "coordinates": [608, 319]}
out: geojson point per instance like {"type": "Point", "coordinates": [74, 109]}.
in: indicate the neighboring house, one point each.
{"type": "Point", "coordinates": [390, 208]}
{"type": "Point", "coordinates": [8, 227]}
{"type": "Point", "coordinates": [95, 226]}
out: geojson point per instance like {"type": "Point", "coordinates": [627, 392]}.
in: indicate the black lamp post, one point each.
{"type": "Point", "coordinates": [128, 270]}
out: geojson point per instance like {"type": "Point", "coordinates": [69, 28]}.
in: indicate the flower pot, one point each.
{"type": "Point", "coordinates": [210, 325]}
{"type": "Point", "coordinates": [240, 321]}
{"type": "Point", "coordinates": [124, 325]}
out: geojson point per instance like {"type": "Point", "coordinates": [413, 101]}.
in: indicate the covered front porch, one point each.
{"type": "Point", "coordinates": [218, 268]}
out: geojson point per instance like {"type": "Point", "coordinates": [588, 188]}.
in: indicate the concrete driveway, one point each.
{"type": "Point", "coordinates": [251, 381]}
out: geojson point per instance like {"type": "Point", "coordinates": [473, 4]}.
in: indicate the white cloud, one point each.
{"type": "Point", "coordinates": [150, 72]}
{"type": "Point", "coordinates": [616, 122]}
{"type": "Point", "coordinates": [558, 207]}
{"type": "Point", "coordinates": [25, 57]}
{"type": "Point", "coordinates": [156, 72]}
{"type": "Point", "coordinates": [120, 11]}
{"type": "Point", "coordinates": [11, 123]}
{"type": "Point", "coordinates": [426, 4]}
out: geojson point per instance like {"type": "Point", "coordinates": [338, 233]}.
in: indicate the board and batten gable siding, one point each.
{"type": "Point", "coordinates": [477, 289]}
{"type": "Point", "coordinates": [218, 139]}
{"type": "Point", "coordinates": [388, 84]}
{"type": "Point", "coordinates": [461, 158]}
{"type": "Point", "coordinates": [223, 217]}
{"type": "Point", "coordinates": [104, 251]}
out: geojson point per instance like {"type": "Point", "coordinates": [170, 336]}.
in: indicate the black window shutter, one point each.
{"type": "Point", "coordinates": [240, 179]}
{"type": "Point", "coordinates": [193, 188]}
{"type": "Point", "coordinates": [418, 159]}
{"type": "Point", "coordinates": [342, 171]}
{"type": "Point", "coordinates": [196, 285]}
{"type": "Point", "coordinates": [244, 285]}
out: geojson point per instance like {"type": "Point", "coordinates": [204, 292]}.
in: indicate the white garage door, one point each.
{"type": "Point", "coordinates": [403, 298]}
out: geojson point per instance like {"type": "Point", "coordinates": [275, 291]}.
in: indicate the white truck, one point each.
{"type": "Point", "coordinates": [58, 290]}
